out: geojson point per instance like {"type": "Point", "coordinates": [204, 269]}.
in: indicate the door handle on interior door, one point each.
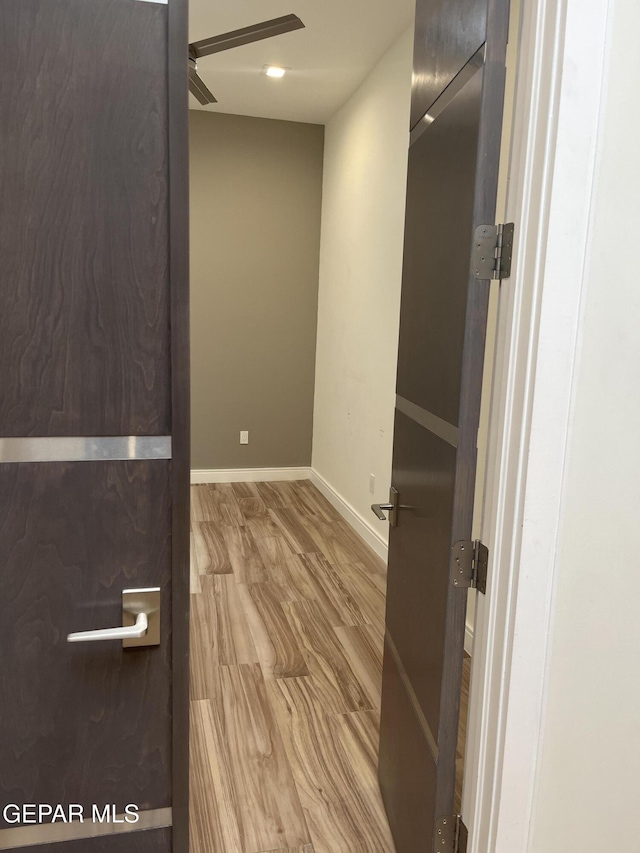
{"type": "Point", "coordinates": [392, 508]}
{"type": "Point", "coordinates": [135, 632]}
{"type": "Point", "coordinates": [380, 510]}
{"type": "Point", "coordinates": [140, 621]}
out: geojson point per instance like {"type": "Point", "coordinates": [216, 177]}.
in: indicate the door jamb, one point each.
{"type": "Point", "coordinates": [559, 98]}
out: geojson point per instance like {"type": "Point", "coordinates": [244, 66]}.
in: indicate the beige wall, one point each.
{"type": "Point", "coordinates": [365, 169]}
{"type": "Point", "coordinates": [256, 189]}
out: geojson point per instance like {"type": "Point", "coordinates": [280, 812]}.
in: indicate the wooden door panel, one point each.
{"type": "Point", "coordinates": [84, 330]}
{"type": "Point", "coordinates": [148, 841]}
{"type": "Point", "coordinates": [93, 342]}
{"type": "Point", "coordinates": [437, 250]}
{"type": "Point", "coordinates": [425, 615]}
{"type": "Point", "coordinates": [447, 34]}
{"type": "Point", "coordinates": [407, 768]}
{"type": "Point", "coordinates": [457, 104]}
{"type": "Point", "coordinates": [419, 553]}
{"type": "Point", "coordinates": [89, 722]}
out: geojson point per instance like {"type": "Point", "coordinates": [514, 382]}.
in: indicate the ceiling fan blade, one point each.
{"type": "Point", "coordinates": [247, 35]}
{"type": "Point", "coordinates": [198, 88]}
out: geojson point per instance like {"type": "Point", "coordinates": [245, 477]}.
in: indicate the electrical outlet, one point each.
{"type": "Point", "coordinates": [244, 436]}
{"type": "Point", "coordinates": [372, 483]}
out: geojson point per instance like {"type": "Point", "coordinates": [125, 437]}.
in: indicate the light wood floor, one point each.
{"type": "Point", "coordinates": [286, 660]}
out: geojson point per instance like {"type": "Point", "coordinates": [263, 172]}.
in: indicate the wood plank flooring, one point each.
{"type": "Point", "coordinates": [286, 661]}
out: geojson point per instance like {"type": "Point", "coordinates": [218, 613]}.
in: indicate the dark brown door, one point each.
{"type": "Point", "coordinates": [452, 184]}
{"type": "Point", "coordinates": [93, 424]}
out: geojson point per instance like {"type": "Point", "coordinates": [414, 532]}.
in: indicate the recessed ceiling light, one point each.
{"type": "Point", "coordinates": [275, 71]}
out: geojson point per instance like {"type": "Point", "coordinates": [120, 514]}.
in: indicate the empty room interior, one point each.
{"type": "Point", "coordinates": [298, 178]}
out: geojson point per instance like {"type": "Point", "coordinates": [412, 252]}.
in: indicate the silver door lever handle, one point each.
{"type": "Point", "coordinates": [380, 510]}
{"type": "Point", "coordinates": [140, 621]}
{"type": "Point", "coordinates": [392, 508]}
{"type": "Point", "coordinates": [133, 632]}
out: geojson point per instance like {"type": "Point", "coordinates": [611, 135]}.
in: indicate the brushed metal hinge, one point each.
{"type": "Point", "coordinates": [469, 564]}
{"type": "Point", "coordinates": [451, 835]}
{"type": "Point", "coordinates": [492, 251]}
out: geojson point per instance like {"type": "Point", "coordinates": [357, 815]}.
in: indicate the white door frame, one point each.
{"type": "Point", "coordinates": [561, 76]}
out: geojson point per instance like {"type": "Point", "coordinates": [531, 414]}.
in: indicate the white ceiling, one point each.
{"type": "Point", "coordinates": [329, 59]}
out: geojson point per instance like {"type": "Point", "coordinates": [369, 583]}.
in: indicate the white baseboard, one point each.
{"type": "Point", "coordinates": [362, 527]}
{"type": "Point", "coordinates": [247, 475]}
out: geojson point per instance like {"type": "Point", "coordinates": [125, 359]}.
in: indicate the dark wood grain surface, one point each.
{"type": "Point", "coordinates": [447, 34]}
{"type": "Point", "coordinates": [84, 326]}
{"type": "Point", "coordinates": [425, 614]}
{"type": "Point", "coordinates": [437, 251]}
{"type": "Point", "coordinates": [148, 841]}
{"type": "Point", "coordinates": [452, 188]}
{"type": "Point", "coordinates": [419, 553]}
{"type": "Point", "coordinates": [406, 769]}
{"type": "Point", "coordinates": [94, 341]}
{"type": "Point", "coordinates": [83, 723]}
{"type": "Point", "coordinates": [178, 132]}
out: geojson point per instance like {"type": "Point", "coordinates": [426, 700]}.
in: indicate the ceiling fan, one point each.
{"type": "Point", "coordinates": [236, 38]}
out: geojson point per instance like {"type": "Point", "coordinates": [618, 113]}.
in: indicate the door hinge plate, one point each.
{"type": "Point", "coordinates": [492, 251]}
{"type": "Point", "coordinates": [451, 835]}
{"type": "Point", "coordinates": [469, 565]}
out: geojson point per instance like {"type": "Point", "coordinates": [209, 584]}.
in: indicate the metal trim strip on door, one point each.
{"type": "Point", "coordinates": [444, 430]}
{"type": "Point", "coordinates": [464, 76]}
{"type": "Point", "coordinates": [85, 448]}
{"type": "Point", "coordinates": [50, 833]}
